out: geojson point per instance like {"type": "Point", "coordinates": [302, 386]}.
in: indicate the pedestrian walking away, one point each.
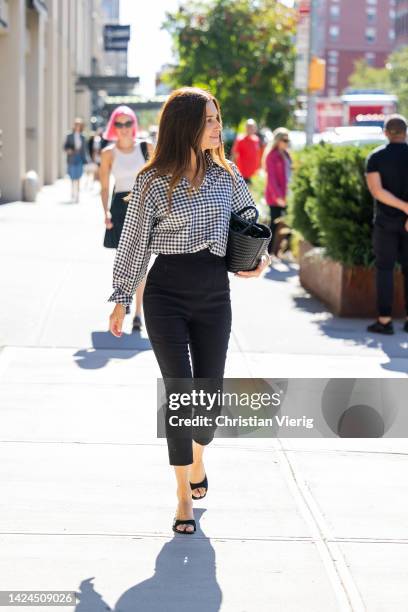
{"type": "Point", "coordinates": [277, 164]}
{"type": "Point", "coordinates": [96, 143]}
{"type": "Point", "coordinates": [387, 180]}
{"type": "Point", "coordinates": [122, 159]}
{"type": "Point", "coordinates": [246, 151]}
{"type": "Point", "coordinates": [75, 148]}
{"type": "Point", "coordinates": [180, 209]}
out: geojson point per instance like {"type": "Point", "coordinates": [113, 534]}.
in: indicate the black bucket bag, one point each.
{"type": "Point", "coordinates": [247, 241]}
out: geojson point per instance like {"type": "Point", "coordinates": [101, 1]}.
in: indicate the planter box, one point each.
{"type": "Point", "coordinates": [347, 292]}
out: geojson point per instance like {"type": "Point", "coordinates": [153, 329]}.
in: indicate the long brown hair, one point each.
{"type": "Point", "coordinates": [181, 127]}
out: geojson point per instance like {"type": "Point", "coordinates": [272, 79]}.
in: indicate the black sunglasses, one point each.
{"type": "Point", "coordinates": [285, 139]}
{"type": "Point", "coordinates": [119, 125]}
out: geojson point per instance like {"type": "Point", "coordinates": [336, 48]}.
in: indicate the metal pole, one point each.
{"type": "Point", "coordinates": [311, 97]}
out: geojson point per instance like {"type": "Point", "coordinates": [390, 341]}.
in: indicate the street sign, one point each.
{"type": "Point", "coordinates": [116, 37]}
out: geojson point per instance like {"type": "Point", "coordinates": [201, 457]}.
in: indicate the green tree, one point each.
{"type": "Point", "coordinates": [367, 77]}
{"type": "Point", "coordinates": [242, 51]}
{"type": "Point", "coordinates": [398, 68]}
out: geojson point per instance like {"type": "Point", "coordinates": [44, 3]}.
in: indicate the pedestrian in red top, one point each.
{"type": "Point", "coordinates": [246, 152]}
{"type": "Point", "coordinates": [277, 164]}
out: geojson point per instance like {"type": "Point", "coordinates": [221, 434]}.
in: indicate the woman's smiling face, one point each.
{"type": "Point", "coordinates": [211, 138]}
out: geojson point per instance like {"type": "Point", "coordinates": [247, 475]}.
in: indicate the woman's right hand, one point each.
{"type": "Point", "coordinates": [281, 202]}
{"type": "Point", "coordinates": [116, 320]}
{"type": "Point", "coordinates": [108, 220]}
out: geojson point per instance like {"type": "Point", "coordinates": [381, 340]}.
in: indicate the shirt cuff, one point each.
{"type": "Point", "coordinates": [119, 297]}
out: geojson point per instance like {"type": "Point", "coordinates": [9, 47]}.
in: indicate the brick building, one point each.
{"type": "Point", "coordinates": [355, 29]}
{"type": "Point", "coordinates": [401, 23]}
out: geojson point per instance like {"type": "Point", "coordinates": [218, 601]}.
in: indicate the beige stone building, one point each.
{"type": "Point", "coordinates": [45, 46]}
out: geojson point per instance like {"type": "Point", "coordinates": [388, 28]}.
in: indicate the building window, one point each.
{"type": "Point", "coordinates": [333, 57]}
{"type": "Point", "coordinates": [392, 14]}
{"type": "Point", "coordinates": [372, 2]}
{"type": "Point", "coordinates": [332, 80]}
{"type": "Point", "coordinates": [370, 34]}
{"type": "Point", "coordinates": [391, 34]}
{"type": "Point", "coordinates": [371, 13]}
{"type": "Point", "coordinates": [370, 58]}
{"type": "Point", "coordinates": [332, 92]}
{"type": "Point", "coordinates": [335, 11]}
{"type": "Point", "coordinates": [334, 32]}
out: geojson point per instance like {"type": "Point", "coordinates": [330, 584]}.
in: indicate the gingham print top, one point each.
{"type": "Point", "coordinates": [197, 221]}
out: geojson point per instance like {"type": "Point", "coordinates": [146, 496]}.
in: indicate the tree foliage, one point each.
{"type": "Point", "coordinates": [398, 68]}
{"type": "Point", "coordinates": [241, 50]}
{"type": "Point", "coordinates": [367, 77]}
{"type": "Point", "coordinates": [393, 78]}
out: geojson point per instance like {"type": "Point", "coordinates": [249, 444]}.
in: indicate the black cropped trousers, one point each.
{"type": "Point", "coordinates": [187, 311]}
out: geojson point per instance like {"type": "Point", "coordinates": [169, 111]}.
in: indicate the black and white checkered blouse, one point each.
{"type": "Point", "coordinates": [197, 221]}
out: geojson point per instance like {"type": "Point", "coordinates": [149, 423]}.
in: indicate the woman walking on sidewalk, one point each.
{"type": "Point", "coordinates": [277, 163]}
{"type": "Point", "coordinates": [180, 209]}
{"type": "Point", "coordinates": [122, 159]}
{"type": "Point", "coordinates": [75, 148]}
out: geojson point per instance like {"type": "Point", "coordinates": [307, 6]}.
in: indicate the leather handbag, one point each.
{"type": "Point", "coordinates": [247, 241]}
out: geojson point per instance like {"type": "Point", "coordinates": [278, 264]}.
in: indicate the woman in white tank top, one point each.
{"type": "Point", "coordinates": [123, 159]}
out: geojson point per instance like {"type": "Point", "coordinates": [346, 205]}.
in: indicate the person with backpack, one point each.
{"type": "Point", "coordinates": [387, 180]}
{"type": "Point", "coordinates": [122, 159]}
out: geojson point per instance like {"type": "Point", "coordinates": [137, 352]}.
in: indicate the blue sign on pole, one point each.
{"type": "Point", "coordinates": [116, 37]}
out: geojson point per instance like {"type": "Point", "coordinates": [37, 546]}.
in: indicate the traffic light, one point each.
{"type": "Point", "coordinates": [317, 74]}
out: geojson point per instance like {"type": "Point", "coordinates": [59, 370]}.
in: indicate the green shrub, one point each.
{"type": "Point", "coordinates": [302, 196]}
{"type": "Point", "coordinates": [344, 206]}
{"type": "Point", "coordinates": [330, 204]}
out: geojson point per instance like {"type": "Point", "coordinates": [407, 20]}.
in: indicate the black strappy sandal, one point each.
{"type": "Point", "coordinates": [203, 484]}
{"type": "Point", "coordinates": [137, 323]}
{"type": "Point", "coordinates": [177, 522]}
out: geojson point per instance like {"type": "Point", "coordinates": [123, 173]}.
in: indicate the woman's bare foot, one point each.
{"type": "Point", "coordinates": [184, 511]}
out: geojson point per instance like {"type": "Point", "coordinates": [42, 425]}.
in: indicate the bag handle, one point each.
{"type": "Point", "coordinates": [246, 229]}
{"type": "Point", "coordinates": [250, 207]}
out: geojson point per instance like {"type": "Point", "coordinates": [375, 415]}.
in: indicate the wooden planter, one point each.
{"type": "Point", "coordinates": [347, 292]}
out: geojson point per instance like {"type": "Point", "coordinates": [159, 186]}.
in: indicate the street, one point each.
{"type": "Point", "coordinates": [88, 497]}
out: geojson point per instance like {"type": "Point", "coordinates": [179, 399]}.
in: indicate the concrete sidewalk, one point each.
{"type": "Point", "coordinates": [88, 498]}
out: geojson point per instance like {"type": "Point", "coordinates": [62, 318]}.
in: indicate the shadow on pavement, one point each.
{"type": "Point", "coordinates": [354, 330]}
{"type": "Point", "coordinates": [105, 346]}
{"type": "Point", "coordinates": [282, 271]}
{"type": "Point", "coordinates": [184, 580]}
{"type": "Point", "coordinates": [395, 347]}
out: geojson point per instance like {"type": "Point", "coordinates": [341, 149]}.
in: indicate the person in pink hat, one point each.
{"type": "Point", "coordinates": [122, 159]}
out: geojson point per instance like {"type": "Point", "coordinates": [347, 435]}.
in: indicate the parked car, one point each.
{"type": "Point", "coordinates": [352, 135]}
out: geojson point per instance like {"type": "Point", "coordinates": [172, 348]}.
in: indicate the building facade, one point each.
{"type": "Point", "coordinates": [115, 62]}
{"type": "Point", "coordinates": [45, 45]}
{"type": "Point", "coordinates": [350, 30]}
{"type": "Point", "coordinates": [401, 23]}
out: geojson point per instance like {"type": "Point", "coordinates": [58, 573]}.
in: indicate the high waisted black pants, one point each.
{"type": "Point", "coordinates": [187, 312]}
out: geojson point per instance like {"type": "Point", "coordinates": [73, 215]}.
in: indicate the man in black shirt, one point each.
{"type": "Point", "coordinates": [387, 180]}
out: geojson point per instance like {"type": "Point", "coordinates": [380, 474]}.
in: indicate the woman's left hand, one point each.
{"type": "Point", "coordinates": [264, 263]}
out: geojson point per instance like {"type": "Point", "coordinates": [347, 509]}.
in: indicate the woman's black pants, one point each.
{"type": "Point", "coordinates": [275, 213]}
{"type": "Point", "coordinates": [187, 311]}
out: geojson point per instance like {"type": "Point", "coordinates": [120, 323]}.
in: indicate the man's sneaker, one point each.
{"type": "Point", "coordinates": [381, 328]}
{"type": "Point", "coordinates": [406, 326]}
